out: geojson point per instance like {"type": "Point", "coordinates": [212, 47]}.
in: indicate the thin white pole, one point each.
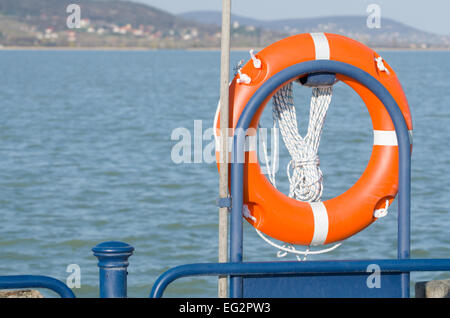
{"type": "Point", "coordinates": [223, 165]}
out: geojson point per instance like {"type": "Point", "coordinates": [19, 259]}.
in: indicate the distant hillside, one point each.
{"type": "Point", "coordinates": [118, 23]}
{"type": "Point", "coordinates": [53, 13]}
{"type": "Point", "coordinates": [112, 23]}
{"type": "Point", "coordinates": [391, 33]}
{"type": "Point", "coordinates": [104, 23]}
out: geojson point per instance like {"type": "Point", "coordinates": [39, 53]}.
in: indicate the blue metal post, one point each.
{"type": "Point", "coordinates": [113, 262]}
{"type": "Point", "coordinates": [236, 226]}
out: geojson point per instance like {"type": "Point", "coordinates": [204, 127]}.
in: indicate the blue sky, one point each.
{"type": "Point", "coordinates": [428, 15]}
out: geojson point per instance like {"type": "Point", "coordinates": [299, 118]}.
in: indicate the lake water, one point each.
{"type": "Point", "coordinates": [85, 157]}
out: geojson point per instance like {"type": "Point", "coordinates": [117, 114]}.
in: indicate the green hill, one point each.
{"type": "Point", "coordinates": [391, 33]}
{"type": "Point", "coordinates": [104, 23]}
{"type": "Point", "coordinates": [52, 13]}
{"type": "Point", "coordinates": [115, 23]}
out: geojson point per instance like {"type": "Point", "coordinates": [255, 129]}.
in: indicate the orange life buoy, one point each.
{"type": "Point", "coordinates": [303, 223]}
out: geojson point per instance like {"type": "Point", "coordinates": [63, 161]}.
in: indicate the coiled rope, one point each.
{"type": "Point", "coordinates": [303, 171]}
{"type": "Point", "coordinates": [305, 176]}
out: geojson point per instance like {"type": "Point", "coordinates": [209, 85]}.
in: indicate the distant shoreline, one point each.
{"type": "Point", "coordinates": [373, 48]}
{"type": "Point", "coordinates": [64, 48]}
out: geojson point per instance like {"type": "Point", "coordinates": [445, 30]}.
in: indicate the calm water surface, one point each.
{"type": "Point", "coordinates": [85, 157]}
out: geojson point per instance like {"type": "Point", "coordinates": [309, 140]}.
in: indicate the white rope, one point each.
{"type": "Point", "coordinates": [380, 65]}
{"type": "Point", "coordinates": [243, 78]}
{"type": "Point", "coordinates": [256, 61]}
{"type": "Point", "coordinates": [379, 213]}
{"type": "Point", "coordinates": [306, 179]}
{"type": "Point", "coordinates": [289, 248]}
{"type": "Point", "coordinates": [271, 171]}
{"type": "Point", "coordinates": [305, 176]}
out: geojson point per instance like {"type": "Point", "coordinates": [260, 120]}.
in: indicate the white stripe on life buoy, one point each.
{"type": "Point", "coordinates": [320, 223]}
{"type": "Point", "coordinates": [321, 45]}
{"type": "Point", "coordinates": [387, 137]}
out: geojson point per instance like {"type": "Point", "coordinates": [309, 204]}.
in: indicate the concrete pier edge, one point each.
{"type": "Point", "coordinates": [433, 289]}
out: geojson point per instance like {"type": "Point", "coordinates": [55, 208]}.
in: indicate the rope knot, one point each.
{"type": "Point", "coordinates": [305, 180]}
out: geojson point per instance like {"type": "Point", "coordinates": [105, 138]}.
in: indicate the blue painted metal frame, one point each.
{"type": "Point", "coordinates": [285, 268]}
{"type": "Point", "coordinates": [372, 284]}
{"type": "Point", "coordinates": [36, 281]}
{"type": "Point", "coordinates": [236, 269]}
{"type": "Point", "coordinates": [237, 166]}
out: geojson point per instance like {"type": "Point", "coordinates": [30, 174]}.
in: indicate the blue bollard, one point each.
{"type": "Point", "coordinates": [113, 262]}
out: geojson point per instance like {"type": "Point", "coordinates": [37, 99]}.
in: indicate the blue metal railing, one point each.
{"type": "Point", "coordinates": [36, 281]}
{"type": "Point", "coordinates": [112, 262]}
{"type": "Point", "coordinates": [285, 268]}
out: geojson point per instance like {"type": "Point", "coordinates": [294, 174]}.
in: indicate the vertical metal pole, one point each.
{"type": "Point", "coordinates": [113, 262]}
{"type": "Point", "coordinates": [224, 108]}
{"type": "Point", "coordinates": [236, 226]}
{"type": "Point", "coordinates": [404, 205]}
